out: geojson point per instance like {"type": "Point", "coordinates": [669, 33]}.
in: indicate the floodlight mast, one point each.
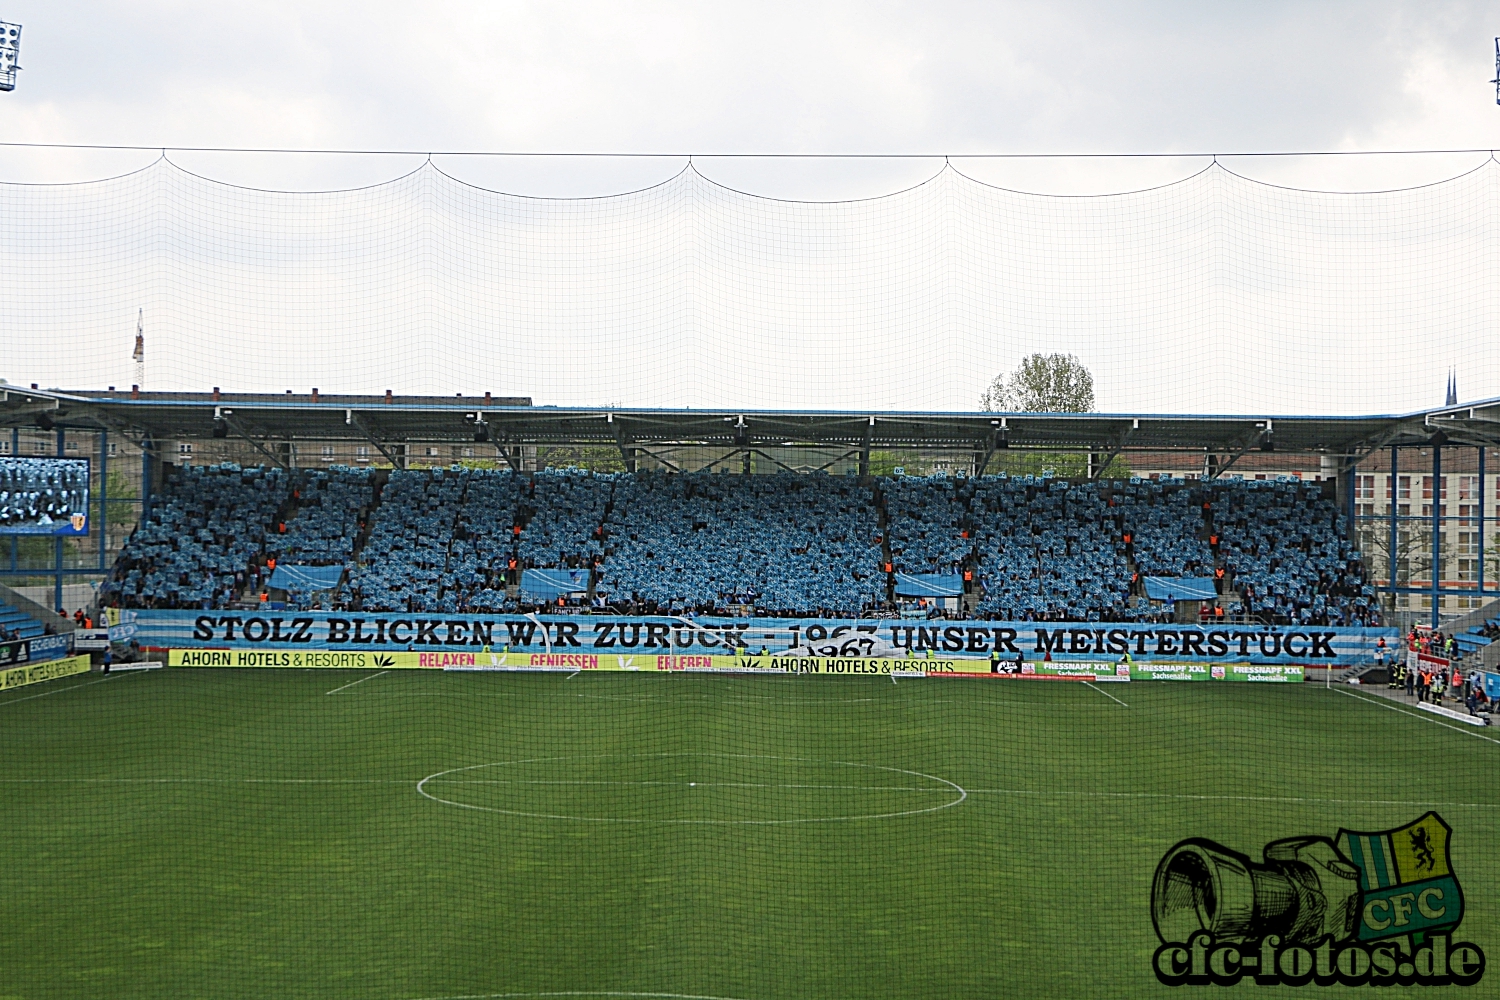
{"type": "Point", "coordinates": [1496, 80]}
{"type": "Point", "coordinates": [10, 52]}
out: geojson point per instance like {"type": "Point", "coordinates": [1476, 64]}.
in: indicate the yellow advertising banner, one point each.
{"type": "Point", "coordinates": [37, 672]}
{"type": "Point", "coordinates": [351, 659]}
{"type": "Point", "coordinates": [367, 660]}
{"type": "Point", "coordinates": [319, 659]}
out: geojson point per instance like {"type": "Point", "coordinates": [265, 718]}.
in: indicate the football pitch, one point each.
{"type": "Point", "coordinates": [410, 834]}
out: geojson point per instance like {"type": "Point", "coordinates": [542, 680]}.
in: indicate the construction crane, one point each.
{"type": "Point", "coordinates": [139, 354]}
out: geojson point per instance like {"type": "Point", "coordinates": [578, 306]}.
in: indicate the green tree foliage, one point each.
{"type": "Point", "coordinates": [1042, 383]}
{"type": "Point", "coordinates": [122, 488]}
{"type": "Point", "coordinates": [885, 463]}
{"type": "Point", "coordinates": [1046, 383]}
{"type": "Point", "coordinates": [595, 459]}
{"type": "Point", "coordinates": [1062, 464]}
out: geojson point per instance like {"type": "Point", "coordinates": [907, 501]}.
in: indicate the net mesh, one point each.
{"type": "Point", "coordinates": [1213, 294]}
{"type": "Point", "coordinates": [392, 831]}
{"type": "Point", "coordinates": [410, 834]}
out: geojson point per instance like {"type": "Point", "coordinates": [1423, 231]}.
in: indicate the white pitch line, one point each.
{"type": "Point", "coordinates": [688, 784]}
{"type": "Point", "coordinates": [1106, 694]}
{"type": "Point", "coordinates": [352, 683]}
{"type": "Point", "coordinates": [443, 776]}
{"type": "Point", "coordinates": [206, 781]}
{"type": "Point", "coordinates": [71, 687]}
{"type": "Point", "coordinates": [1227, 798]}
{"type": "Point", "coordinates": [1033, 793]}
{"type": "Point", "coordinates": [1385, 703]}
{"type": "Point", "coordinates": [582, 993]}
{"type": "Point", "coordinates": [572, 675]}
{"type": "Point", "coordinates": [408, 781]}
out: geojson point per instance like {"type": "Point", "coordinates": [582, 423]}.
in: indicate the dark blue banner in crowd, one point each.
{"type": "Point", "coordinates": [378, 631]}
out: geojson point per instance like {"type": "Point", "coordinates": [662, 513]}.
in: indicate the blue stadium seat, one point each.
{"type": "Point", "coordinates": [13, 620]}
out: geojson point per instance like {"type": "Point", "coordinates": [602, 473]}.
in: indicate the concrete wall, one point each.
{"type": "Point", "coordinates": [25, 604]}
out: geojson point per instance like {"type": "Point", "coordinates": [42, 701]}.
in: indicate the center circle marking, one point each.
{"type": "Point", "coordinates": [430, 786]}
{"type": "Point", "coordinates": [583, 993]}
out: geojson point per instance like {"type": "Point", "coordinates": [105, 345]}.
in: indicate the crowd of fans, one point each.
{"type": "Point", "coordinates": [1431, 668]}
{"type": "Point", "coordinates": [462, 539]}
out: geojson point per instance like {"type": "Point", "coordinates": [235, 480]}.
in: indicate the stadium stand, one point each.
{"type": "Point", "coordinates": [927, 520]}
{"type": "Point", "coordinates": [1475, 639]}
{"type": "Point", "coordinates": [561, 516]}
{"type": "Point", "coordinates": [207, 524]}
{"type": "Point", "coordinates": [445, 540]}
{"type": "Point", "coordinates": [330, 509]}
{"type": "Point", "coordinates": [1027, 547]}
{"type": "Point", "coordinates": [16, 624]}
{"type": "Point", "coordinates": [1286, 546]}
{"type": "Point", "coordinates": [405, 564]}
{"type": "Point", "coordinates": [1049, 549]}
{"type": "Point", "coordinates": [1166, 526]}
{"type": "Point", "coordinates": [786, 543]}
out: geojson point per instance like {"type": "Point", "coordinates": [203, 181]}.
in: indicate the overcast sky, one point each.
{"type": "Point", "coordinates": [927, 77]}
{"type": "Point", "coordinates": [755, 78]}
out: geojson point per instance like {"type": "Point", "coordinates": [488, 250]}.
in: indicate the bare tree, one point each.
{"type": "Point", "coordinates": [1374, 539]}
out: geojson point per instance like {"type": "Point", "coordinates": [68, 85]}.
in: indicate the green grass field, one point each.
{"type": "Point", "coordinates": [185, 833]}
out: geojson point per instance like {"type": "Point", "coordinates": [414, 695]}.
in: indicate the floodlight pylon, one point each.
{"type": "Point", "coordinates": [1496, 80]}
{"type": "Point", "coordinates": [10, 53]}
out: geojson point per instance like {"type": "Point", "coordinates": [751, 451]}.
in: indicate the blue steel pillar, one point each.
{"type": "Point", "coordinates": [103, 526]}
{"type": "Point", "coordinates": [57, 542]}
{"type": "Point", "coordinates": [1437, 527]}
{"type": "Point", "coordinates": [1395, 493]}
{"type": "Point", "coordinates": [15, 542]}
{"type": "Point", "coordinates": [147, 446]}
{"type": "Point", "coordinates": [1350, 476]}
{"type": "Point", "coordinates": [1481, 523]}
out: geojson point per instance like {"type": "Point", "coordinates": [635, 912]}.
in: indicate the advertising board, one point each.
{"type": "Point", "coordinates": [36, 673]}
{"type": "Point", "coordinates": [92, 640]}
{"type": "Point", "coordinates": [35, 650]}
{"type": "Point", "coordinates": [1081, 670]}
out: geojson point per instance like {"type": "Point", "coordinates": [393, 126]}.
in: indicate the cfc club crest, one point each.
{"type": "Point", "coordinates": [1363, 908]}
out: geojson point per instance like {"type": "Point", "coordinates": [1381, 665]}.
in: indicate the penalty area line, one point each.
{"type": "Point", "coordinates": [1188, 796]}
{"type": "Point", "coordinates": [1106, 694]}
{"type": "Point", "coordinates": [1383, 703]}
{"type": "Point", "coordinates": [360, 681]}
